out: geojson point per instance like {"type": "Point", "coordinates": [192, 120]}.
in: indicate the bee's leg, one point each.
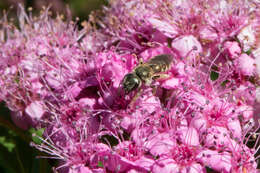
{"type": "Point", "coordinates": [161, 76]}
{"type": "Point", "coordinates": [139, 60]}
{"type": "Point", "coordinates": [154, 90]}
{"type": "Point", "coordinates": [136, 96]}
{"type": "Point", "coordinates": [119, 91]}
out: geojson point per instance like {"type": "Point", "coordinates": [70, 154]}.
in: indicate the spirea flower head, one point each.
{"type": "Point", "coordinates": [39, 60]}
{"type": "Point", "coordinates": [201, 112]}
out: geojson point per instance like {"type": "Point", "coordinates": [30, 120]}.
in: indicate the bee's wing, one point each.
{"type": "Point", "coordinates": [163, 58]}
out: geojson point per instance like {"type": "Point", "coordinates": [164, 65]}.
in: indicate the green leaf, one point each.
{"type": "Point", "coordinates": [169, 42]}
{"type": "Point", "coordinates": [224, 83]}
{"type": "Point", "coordinates": [36, 135]}
{"type": "Point", "coordinates": [111, 139]}
{"type": "Point", "coordinates": [209, 170]}
{"type": "Point", "coordinates": [100, 164]}
{"type": "Point", "coordinates": [249, 52]}
{"type": "Point", "coordinates": [9, 145]}
{"type": "Point", "coordinates": [214, 75]}
{"type": "Point", "coordinates": [17, 79]}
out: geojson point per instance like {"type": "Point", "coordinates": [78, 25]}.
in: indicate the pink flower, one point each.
{"type": "Point", "coordinates": [247, 37]}
{"type": "Point", "coordinates": [246, 65]}
{"type": "Point", "coordinates": [160, 144]}
{"type": "Point", "coordinates": [208, 35]}
{"type": "Point", "coordinates": [189, 136]}
{"type": "Point", "coordinates": [20, 120]}
{"type": "Point", "coordinates": [233, 49]}
{"type": "Point", "coordinates": [188, 47]}
{"type": "Point", "coordinates": [80, 169]}
{"type": "Point", "coordinates": [163, 26]}
{"type": "Point", "coordinates": [166, 165]}
{"type": "Point", "coordinates": [35, 110]}
{"type": "Point", "coordinates": [201, 114]}
{"type": "Point", "coordinates": [256, 54]}
{"type": "Point", "coordinates": [171, 83]}
{"type": "Point", "coordinates": [217, 161]}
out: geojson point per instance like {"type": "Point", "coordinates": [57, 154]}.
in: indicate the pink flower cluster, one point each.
{"type": "Point", "coordinates": [204, 115]}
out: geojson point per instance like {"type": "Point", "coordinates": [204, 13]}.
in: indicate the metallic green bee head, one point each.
{"type": "Point", "coordinates": [131, 82]}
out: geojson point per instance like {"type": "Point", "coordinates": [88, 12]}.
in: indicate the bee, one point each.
{"type": "Point", "coordinates": [146, 73]}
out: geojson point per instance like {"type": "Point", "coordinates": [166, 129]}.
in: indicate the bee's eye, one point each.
{"type": "Point", "coordinates": [130, 82]}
